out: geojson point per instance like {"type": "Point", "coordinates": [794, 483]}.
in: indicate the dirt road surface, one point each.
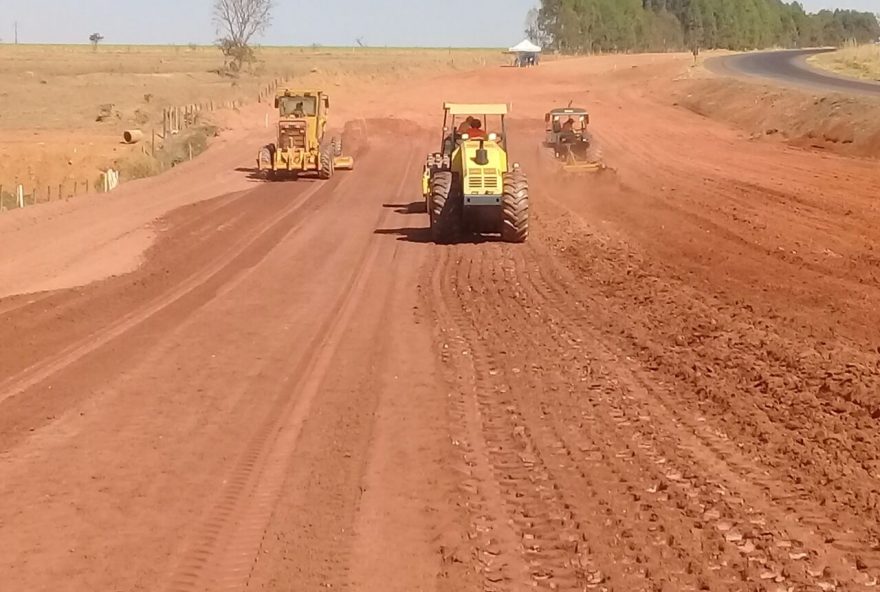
{"type": "Point", "coordinates": [672, 386]}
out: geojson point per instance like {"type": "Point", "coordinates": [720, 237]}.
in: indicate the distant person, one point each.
{"type": "Point", "coordinates": [299, 110]}
{"type": "Point", "coordinates": [568, 126]}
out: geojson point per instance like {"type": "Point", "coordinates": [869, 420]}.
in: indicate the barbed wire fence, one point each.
{"type": "Point", "coordinates": [17, 194]}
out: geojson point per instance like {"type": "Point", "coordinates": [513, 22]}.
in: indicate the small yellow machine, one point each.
{"type": "Point", "coordinates": [470, 184]}
{"type": "Point", "coordinates": [571, 141]}
{"type": "Point", "coordinates": [302, 146]}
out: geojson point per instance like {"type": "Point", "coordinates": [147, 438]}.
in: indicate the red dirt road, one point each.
{"type": "Point", "coordinates": [671, 386]}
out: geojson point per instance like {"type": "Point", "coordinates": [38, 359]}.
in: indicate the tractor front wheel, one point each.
{"type": "Point", "coordinates": [445, 208]}
{"type": "Point", "coordinates": [515, 208]}
{"type": "Point", "coordinates": [327, 167]}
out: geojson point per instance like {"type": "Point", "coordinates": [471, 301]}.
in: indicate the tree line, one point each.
{"type": "Point", "coordinates": [588, 26]}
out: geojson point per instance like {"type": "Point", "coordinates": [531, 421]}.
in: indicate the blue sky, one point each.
{"type": "Point", "coordinates": [497, 23]}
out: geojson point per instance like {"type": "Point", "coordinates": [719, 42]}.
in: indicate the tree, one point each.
{"type": "Point", "coordinates": [238, 22]}
{"type": "Point", "coordinates": [96, 38]}
{"type": "Point", "coordinates": [533, 26]}
{"type": "Point", "coordinates": [586, 26]}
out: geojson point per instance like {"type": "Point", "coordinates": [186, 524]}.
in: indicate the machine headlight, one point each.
{"type": "Point", "coordinates": [493, 137]}
{"type": "Point", "coordinates": [465, 137]}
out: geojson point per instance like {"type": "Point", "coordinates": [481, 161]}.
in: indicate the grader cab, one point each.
{"type": "Point", "coordinates": [302, 146]}
{"type": "Point", "coordinates": [470, 184]}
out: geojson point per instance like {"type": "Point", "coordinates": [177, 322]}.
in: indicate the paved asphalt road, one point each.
{"type": "Point", "coordinates": [790, 67]}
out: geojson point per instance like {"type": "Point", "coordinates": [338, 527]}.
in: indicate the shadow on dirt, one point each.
{"type": "Point", "coordinates": [252, 173]}
{"type": "Point", "coordinates": [409, 235]}
{"type": "Point", "coordinates": [416, 207]}
{"type": "Point", "coordinates": [261, 177]}
{"type": "Point", "coordinates": [423, 235]}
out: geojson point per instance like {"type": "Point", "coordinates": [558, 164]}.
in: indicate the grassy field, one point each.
{"type": "Point", "coordinates": [63, 108]}
{"type": "Point", "coordinates": [858, 61]}
{"type": "Point", "coordinates": [59, 87]}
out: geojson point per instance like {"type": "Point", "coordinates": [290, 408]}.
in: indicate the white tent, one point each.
{"type": "Point", "coordinates": [525, 46]}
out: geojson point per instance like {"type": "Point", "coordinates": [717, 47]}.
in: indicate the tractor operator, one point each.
{"type": "Point", "coordinates": [476, 129]}
{"type": "Point", "coordinates": [298, 111]}
{"type": "Point", "coordinates": [568, 126]}
{"type": "Point", "coordinates": [465, 125]}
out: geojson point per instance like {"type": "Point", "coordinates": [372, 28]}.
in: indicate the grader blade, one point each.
{"type": "Point", "coordinates": [574, 164]}
{"type": "Point", "coordinates": [344, 163]}
{"type": "Point", "coordinates": [583, 167]}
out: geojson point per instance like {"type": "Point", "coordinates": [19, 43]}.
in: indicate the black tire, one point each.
{"type": "Point", "coordinates": [515, 208]}
{"type": "Point", "coordinates": [445, 208]}
{"type": "Point", "coordinates": [594, 152]}
{"type": "Point", "coordinates": [336, 145]}
{"type": "Point", "coordinates": [327, 168]}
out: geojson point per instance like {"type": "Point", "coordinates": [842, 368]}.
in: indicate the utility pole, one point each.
{"type": "Point", "coordinates": [16, 32]}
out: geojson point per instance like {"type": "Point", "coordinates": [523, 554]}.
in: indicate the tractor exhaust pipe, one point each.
{"type": "Point", "coordinates": [482, 157]}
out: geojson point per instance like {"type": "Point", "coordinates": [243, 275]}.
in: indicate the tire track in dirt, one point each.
{"type": "Point", "coordinates": [562, 536]}
{"type": "Point", "coordinates": [781, 546]}
{"type": "Point", "coordinates": [228, 544]}
{"type": "Point", "coordinates": [19, 303]}
{"type": "Point", "coordinates": [787, 379]}
{"type": "Point", "coordinates": [791, 504]}
{"type": "Point", "coordinates": [44, 369]}
{"type": "Point", "coordinates": [706, 524]}
{"type": "Point", "coordinates": [496, 544]}
{"type": "Point", "coordinates": [787, 508]}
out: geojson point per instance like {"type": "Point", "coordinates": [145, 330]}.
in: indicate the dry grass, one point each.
{"type": "Point", "coordinates": [51, 96]}
{"type": "Point", "coordinates": [61, 87]}
{"type": "Point", "coordinates": [858, 61]}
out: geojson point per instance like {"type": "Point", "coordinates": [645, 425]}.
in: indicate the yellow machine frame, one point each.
{"type": "Point", "coordinates": [301, 145]}
{"type": "Point", "coordinates": [470, 185]}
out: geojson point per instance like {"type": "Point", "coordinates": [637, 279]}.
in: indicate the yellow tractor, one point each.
{"type": "Point", "coordinates": [470, 183]}
{"type": "Point", "coordinates": [302, 146]}
{"type": "Point", "coordinates": [571, 141]}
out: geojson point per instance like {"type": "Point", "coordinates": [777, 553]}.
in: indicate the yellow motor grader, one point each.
{"type": "Point", "coordinates": [302, 147]}
{"type": "Point", "coordinates": [470, 184]}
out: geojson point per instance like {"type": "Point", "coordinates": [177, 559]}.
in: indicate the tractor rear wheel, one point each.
{"type": "Point", "coordinates": [515, 208]}
{"type": "Point", "coordinates": [445, 207]}
{"type": "Point", "coordinates": [327, 168]}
